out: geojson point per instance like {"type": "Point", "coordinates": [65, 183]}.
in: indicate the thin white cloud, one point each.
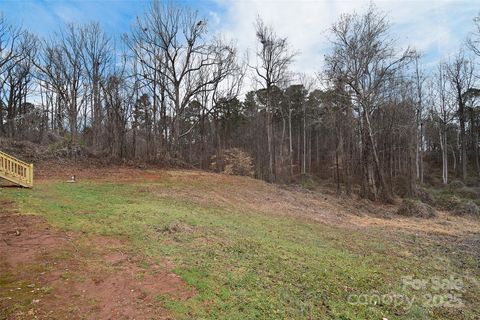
{"type": "Point", "coordinates": [436, 28]}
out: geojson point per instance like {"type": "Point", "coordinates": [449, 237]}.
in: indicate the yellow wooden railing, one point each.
{"type": "Point", "coordinates": [16, 170]}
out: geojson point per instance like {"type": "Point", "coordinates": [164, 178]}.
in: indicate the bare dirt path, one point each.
{"type": "Point", "coordinates": [49, 274]}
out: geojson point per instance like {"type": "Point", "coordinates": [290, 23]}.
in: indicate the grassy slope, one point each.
{"type": "Point", "coordinates": [250, 265]}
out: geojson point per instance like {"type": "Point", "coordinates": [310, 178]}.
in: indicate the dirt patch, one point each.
{"type": "Point", "coordinates": [25, 237]}
{"type": "Point", "coordinates": [115, 287]}
{"type": "Point", "coordinates": [85, 171]}
{"type": "Point", "coordinates": [49, 274]}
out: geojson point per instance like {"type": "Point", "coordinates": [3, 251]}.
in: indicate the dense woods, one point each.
{"type": "Point", "coordinates": [373, 119]}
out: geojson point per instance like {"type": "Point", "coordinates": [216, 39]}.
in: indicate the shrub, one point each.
{"type": "Point", "coordinates": [447, 201]}
{"type": "Point", "coordinates": [415, 208]}
{"type": "Point", "coordinates": [467, 192]}
{"type": "Point", "coordinates": [66, 148]}
{"type": "Point", "coordinates": [466, 208]}
{"type": "Point", "coordinates": [456, 184]}
{"type": "Point", "coordinates": [306, 181]}
{"type": "Point", "coordinates": [233, 161]}
{"type": "Point", "coordinates": [425, 196]}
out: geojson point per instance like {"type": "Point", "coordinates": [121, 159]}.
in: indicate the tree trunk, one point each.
{"type": "Point", "coordinates": [444, 149]}
{"type": "Point", "coordinates": [271, 177]}
{"type": "Point", "coordinates": [304, 153]}
{"type": "Point", "coordinates": [385, 194]}
{"type": "Point", "coordinates": [421, 154]}
{"type": "Point", "coordinates": [463, 149]}
{"type": "Point", "coordinates": [290, 147]}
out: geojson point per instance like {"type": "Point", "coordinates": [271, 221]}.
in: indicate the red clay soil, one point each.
{"type": "Point", "coordinates": [85, 170]}
{"type": "Point", "coordinates": [49, 274]}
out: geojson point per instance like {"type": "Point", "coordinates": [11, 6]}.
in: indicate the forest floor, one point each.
{"type": "Point", "coordinates": [129, 243]}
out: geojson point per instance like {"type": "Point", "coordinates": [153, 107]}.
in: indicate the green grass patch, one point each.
{"type": "Point", "coordinates": [248, 265]}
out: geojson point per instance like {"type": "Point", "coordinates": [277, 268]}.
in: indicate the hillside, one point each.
{"type": "Point", "coordinates": [128, 243]}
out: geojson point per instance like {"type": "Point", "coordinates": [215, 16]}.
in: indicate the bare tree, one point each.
{"type": "Point", "coordinates": [119, 95]}
{"type": "Point", "coordinates": [273, 59]}
{"type": "Point", "coordinates": [61, 68]}
{"type": "Point", "coordinates": [171, 94]}
{"type": "Point", "coordinates": [96, 53]}
{"type": "Point", "coordinates": [419, 79]}
{"type": "Point", "coordinates": [473, 40]}
{"type": "Point", "coordinates": [19, 83]}
{"type": "Point", "coordinates": [9, 38]}
{"type": "Point", "coordinates": [444, 114]}
{"type": "Point", "coordinates": [364, 58]}
{"type": "Point", "coordinates": [460, 75]}
{"type": "Point", "coordinates": [174, 38]}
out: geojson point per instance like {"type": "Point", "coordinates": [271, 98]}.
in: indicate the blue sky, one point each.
{"type": "Point", "coordinates": [116, 16]}
{"type": "Point", "coordinates": [436, 28]}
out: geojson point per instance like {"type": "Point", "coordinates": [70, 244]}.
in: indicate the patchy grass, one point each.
{"type": "Point", "coordinates": [458, 199]}
{"type": "Point", "coordinates": [415, 208]}
{"type": "Point", "coordinates": [15, 290]}
{"type": "Point", "coordinates": [246, 264]}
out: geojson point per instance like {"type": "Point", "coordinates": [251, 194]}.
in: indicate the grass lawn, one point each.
{"type": "Point", "coordinates": [248, 264]}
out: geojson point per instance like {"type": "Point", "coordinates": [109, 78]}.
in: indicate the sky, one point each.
{"type": "Point", "coordinates": [436, 28]}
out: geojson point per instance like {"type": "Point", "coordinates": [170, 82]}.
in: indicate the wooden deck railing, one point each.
{"type": "Point", "coordinates": [16, 170]}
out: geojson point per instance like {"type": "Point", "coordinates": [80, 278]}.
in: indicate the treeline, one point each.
{"type": "Point", "coordinates": [171, 92]}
